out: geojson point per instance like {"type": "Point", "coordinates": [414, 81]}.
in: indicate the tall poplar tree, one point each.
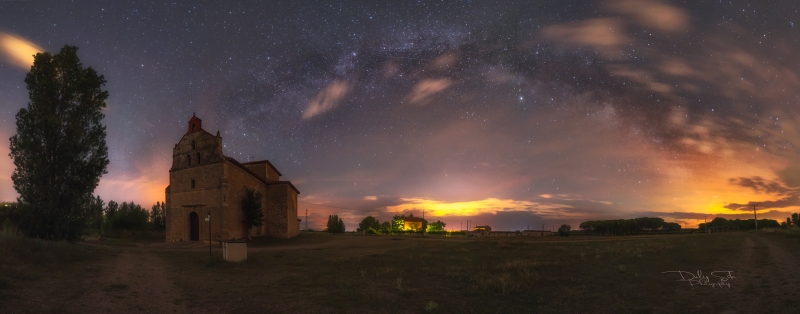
{"type": "Point", "coordinates": [59, 150]}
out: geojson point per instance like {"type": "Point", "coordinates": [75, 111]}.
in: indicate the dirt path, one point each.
{"type": "Point", "coordinates": [134, 282]}
{"type": "Point", "coordinates": [766, 279]}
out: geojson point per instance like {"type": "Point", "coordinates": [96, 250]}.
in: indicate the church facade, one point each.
{"type": "Point", "coordinates": [204, 183]}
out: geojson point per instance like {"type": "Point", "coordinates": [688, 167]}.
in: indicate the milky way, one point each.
{"type": "Point", "coordinates": [506, 113]}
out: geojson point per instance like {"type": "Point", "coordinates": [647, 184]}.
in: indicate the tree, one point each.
{"type": "Point", "coordinates": [368, 223]}
{"type": "Point", "coordinates": [158, 216]}
{"type": "Point", "coordinates": [398, 222]}
{"type": "Point", "coordinates": [95, 211]}
{"type": "Point", "coordinates": [59, 150]}
{"type": "Point", "coordinates": [672, 226]}
{"type": "Point", "coordinates": [251, 208]}
{"type": "Point", "coordinates": [796, 219]}
{"type": "Point", "coordinates": [564, 230]}
{"type": "Point", "coordinates": [386, 226]}
{"type": "Point", "coordinates": [436, 226]}
{"type": "Point", "coordinates": [131, 217]}
{"type": "Point", "coordinates": [111, 209]}
{"type": "Point", "coordinates": [335, 224]}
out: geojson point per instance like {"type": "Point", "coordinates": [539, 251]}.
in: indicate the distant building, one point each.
{"type": "Point", "coordinates": [484, 230]}
{"type": "Point", "coordinates": [412, 223]}
{"type": "Point", "coordinates": [536, 233]}
{"type": "Point", "coordinates": [203, 181]}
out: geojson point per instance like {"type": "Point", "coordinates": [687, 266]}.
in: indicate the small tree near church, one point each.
{"type": "Point", "coordinates": [251, 208]}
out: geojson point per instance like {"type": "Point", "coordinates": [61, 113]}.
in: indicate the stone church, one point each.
{"type": "Point", "coordinates": [203, 182]}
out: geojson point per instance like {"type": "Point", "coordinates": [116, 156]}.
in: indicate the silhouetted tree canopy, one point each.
{"type": "Point", "coordinates": [627, 226]}
{"type": "Point", "coordinates": [436, 226]}
{"type": "Point", "coordinates": [368, 223]}
{"type": "Point", "coordinates": [158, 216]}
{"type": "Point", "coordinates": [130, 216]}
{"type": "Point", "coordinates": [95, 211]}
{"type": "Point", "coordinates": [59, 150]}
{"type": "Point", "coordinates": [335, 224]}
{"type": "Point", "coordinates": [564, 230]}
{"type": "Point", "coordinates": [746, 224]}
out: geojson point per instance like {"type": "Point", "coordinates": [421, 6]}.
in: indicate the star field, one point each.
{"type": "Point", "coordinates": [507, 113]}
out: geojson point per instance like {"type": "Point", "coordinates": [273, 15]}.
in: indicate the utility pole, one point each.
{"type": "Point", "coordinates": [705, 222]}
{"type": "Point", "coordinates": [754, 216]}
{"type": "Point", "coordinates": [306, 219]}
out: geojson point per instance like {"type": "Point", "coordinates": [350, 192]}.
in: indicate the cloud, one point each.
{"type": "Point", "coordinates": [444, 61]}
{"type": "Point", "coordinates": [790, 201]}
{"type": "Point", "coordinates": [641, 76]}
{"type": "Point", "coordinates": [422, 92]}
{"type": "Point", "coordinates": [758, 184]}
{"type": "Point", "coordinates": [17, 51]}
{"type": "Point", "coordinates": [653, 14]}
{"type": "Point", "coordinates": [370, 198]}
{"type": "Point", "coordinates": [789, 197]}
{"type": "Point", "coordinates": [328, 98]}
{"type": "Point", "coordinates": [791, 175]}
{"type": "Point", "coordinates": [142, 189]}
{"type": "Point", "coordinates": [604, 34]}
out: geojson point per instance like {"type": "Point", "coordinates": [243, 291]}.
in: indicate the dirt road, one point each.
{"type": "Point", "coordinates": [135, 281]}
{"type": "Point", "coordinates": [766, 278]}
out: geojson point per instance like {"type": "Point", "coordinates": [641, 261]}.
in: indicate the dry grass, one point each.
{"type": "Point", "coordinates": [322, 273]}
{"type": "Point", "coordinates": [346, 274]}
{"type": "Point", "coordinates": [34, 270]}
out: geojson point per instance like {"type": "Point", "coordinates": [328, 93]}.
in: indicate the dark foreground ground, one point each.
{"type": "Point", "coordinates": [322, 273]}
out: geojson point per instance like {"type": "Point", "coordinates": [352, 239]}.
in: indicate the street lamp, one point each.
{"type": "Point", "coordinates": [208, 218]}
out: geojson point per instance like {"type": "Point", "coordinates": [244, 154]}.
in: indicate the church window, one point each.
{"type": "Point", "coordinates": [198, 158]}
{"type": "Point", "coordinates": [193, 184]}
{"type": "Point", "coordinates": [189, 158]}
{"type": "Point", "coordinates": [194, 146]}
{"type": "Point", "coordinates": [192, 127]}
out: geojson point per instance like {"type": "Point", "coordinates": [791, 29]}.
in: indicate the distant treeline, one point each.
{"type": "Point", "coordinates": [742, 224]}
{"type": "Point", "coordinates": [112, 219]}
{"type": "Point", "coordinates": [628, 226]}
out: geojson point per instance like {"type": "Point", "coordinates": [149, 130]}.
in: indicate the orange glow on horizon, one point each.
{"type": "Point", "coordinates": [472, 208]}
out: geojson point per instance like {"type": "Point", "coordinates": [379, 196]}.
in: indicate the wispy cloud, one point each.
{"type": "Point", "coordinates": [653, 13]}
{"type": "Point", "coordinates": [328, 98]}
{"type": "Point", "coordinates": [17, 51]}
{"type": "Point", "coordinates": [603, 34]}
{"type": "Point", "coordinates": [422, 92]}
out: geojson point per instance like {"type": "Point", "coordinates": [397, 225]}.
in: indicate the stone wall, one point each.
{"type": "Point", "coordinates": [240, 180]}
{"type": "Point", "coordinates": [282, 211]}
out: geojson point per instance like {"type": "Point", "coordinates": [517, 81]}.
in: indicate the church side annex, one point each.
{"type": "Point", "coordinates": [203, 181]}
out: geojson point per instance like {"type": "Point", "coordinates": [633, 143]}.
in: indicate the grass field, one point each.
{"type": "Point", "coordinates": [323, 273]}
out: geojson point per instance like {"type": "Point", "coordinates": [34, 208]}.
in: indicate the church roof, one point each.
{"type": "Point", "coordinates": [243, 167]}
{"type": "Point", "coordinates": [411, 218]}
{"type": "Point", "coordinates": [264, 161]}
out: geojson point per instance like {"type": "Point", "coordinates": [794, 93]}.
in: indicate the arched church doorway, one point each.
{"type": "Point", "coordinates": [194, 227]}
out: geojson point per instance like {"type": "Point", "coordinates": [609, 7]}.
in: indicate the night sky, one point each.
{"type": "Point", "coordinates": [506, 113]}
